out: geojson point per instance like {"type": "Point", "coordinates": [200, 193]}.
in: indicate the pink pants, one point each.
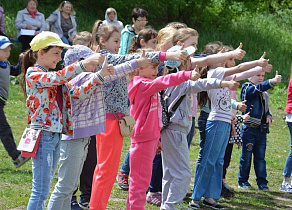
{"type": "Point", "coordinates": [109, 147]}
{"type": "Point", "coordinates": [141, 158]}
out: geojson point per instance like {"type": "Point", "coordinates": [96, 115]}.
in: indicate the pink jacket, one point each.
{"type": "Point", "coordinates": [145, 104]}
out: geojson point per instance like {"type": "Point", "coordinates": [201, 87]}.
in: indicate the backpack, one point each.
{"type": "Point", "coordinates": [165, 114]}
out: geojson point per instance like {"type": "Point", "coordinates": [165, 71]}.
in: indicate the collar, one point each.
{"type": "Point", "coordinates": [32, 13]}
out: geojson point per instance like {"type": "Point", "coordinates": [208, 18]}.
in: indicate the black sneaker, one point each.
{"type": "Point", "coordinates": [19, 161]}
{"type": "Point", "coordinates": [214, 205]}
{"type": "Point", "coordinates": [84, 204]}
{"type": "Point", "coordinates": [263, 187]}
{"type": "Point", "coordinates": [226, 193]}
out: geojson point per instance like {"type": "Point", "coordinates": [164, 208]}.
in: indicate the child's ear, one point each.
{"type": "Point", "coordinates": [101, 41]}
{"type": "Point", "coordinates": [142, 43]}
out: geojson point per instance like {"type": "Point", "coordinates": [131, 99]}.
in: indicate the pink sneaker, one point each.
{"type": "Point", "coordinates": [154, 199]}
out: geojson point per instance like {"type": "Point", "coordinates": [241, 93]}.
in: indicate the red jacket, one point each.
{"type": "Point", "coordinates": [288, 108]}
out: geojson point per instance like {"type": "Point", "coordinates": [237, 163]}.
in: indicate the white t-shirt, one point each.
{"type": "Point", "coordinates": [221, 108]}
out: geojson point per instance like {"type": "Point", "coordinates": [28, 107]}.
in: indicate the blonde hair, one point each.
{"type": "Point", "coordinates": [109, 10]}
{"type": "Point", "coordinates": [164, 35]}
{"type": "Point", "coordinates": [183, 34]}
{"type": "Point", "coordinates": [82, 38]}
{"type": "Point", "coordinates": [67, 2]}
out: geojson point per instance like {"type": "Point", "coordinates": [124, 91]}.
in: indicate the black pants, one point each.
{"type": "Point", "coordinates": [25, 40]}
{"type": "Point", "coordinates": [6, 135]}
{"type": "Point", "coordinates": [87, 172]}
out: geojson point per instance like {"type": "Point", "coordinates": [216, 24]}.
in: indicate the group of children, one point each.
{"type": "Point", "coordinates": [96, 88]}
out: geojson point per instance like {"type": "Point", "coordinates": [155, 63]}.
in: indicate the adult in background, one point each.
{"type": "Point", "coordinates": [2, 22]}
{"type": "Point", "coordinates": [111, 17]}
{"type": "Point", "coordinates": [30, 19]}
{"type": "Point", "coordinates": [139, 20]}
{"type": "Point", "coordinates": [63, 23]}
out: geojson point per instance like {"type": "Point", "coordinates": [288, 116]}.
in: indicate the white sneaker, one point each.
{"type": "Point", "coordinates": [286, 187]}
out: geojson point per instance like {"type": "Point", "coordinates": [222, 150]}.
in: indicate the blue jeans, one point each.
{"type": "Point", "coordinates": [43, 168]}
{"type": "Point", "coordinates": [253, 143]}
{"type": "Point", "coordinates": [288, 164]}
{"type": "Point", "coordinates": [191, 133]}
{"type": "Point", "coordinates": [126, 164]}
{"type": "Point", "coordinates": [202, 121]}
{"type": "Point", "coordinates": [156, 179]}
{"type": "Point", "coordinates": [208, 180]}
{"type": "Point", "coordinates": [66, 41]}
{"type": "Point", "coordinates": [72, 157]}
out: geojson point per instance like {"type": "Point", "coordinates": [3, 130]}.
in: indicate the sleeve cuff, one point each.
{"type": "Point", "coordinates": [271, 83]}
{"type": "Point", "coordinates": [162, 56]}
{"type": "Point", "coordinates": [134, 64]}
{"type": "Point", "coordinates": [234, 104]}
{"type": "Point", "coordinates": [101, 78]}
{"type": "Point", "coordinates": [82, 65]}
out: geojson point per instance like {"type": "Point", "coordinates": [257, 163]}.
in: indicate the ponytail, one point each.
{"type": "Point", "coordinates": [93, 42]}
{"type": "Point", "coordinates": [28, 59]}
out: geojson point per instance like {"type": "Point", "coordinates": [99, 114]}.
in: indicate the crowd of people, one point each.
{"type": "Point", "coordinates": [159, 80]}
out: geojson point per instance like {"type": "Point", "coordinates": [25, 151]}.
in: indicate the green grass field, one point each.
{"type": "Point", "coordinates": [15, 184]}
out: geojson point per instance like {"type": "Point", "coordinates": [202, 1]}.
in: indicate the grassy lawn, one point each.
{"type": "Point", "coordinates": [15, 184]}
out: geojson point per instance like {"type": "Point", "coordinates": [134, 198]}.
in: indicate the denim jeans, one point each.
{"type": "Point", "coordinates": [66, 41]}
{"type": "Point", "coordinates": [72, 156]}
{"type": "Point", "coordinates": [202, 121]}
{"type": "Point", "coordinates": [156, 179]}
{"type": "Point", "coordinates": [43, 168]}
{"type": "Point", "coordinates": [6, 135]}
{"type": "Point", "coordinates": [253, 143]}
{"type": "Point", "coordinates": [288, 164]}
{"type": "Point", "coordinates": [126, 164]}
{"type": "Point", "coordinates": [208, 180]}
{"type": "Point", "coordinates": [191, 133]}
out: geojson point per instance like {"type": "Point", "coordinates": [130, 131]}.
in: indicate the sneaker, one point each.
{"type": "Point", "coordinates": [75, 205]}
{"type": "Point", "coordinates": [227, 186]}
{"type": "Point", "coordinates": [286, 187]}
{"type": "Point", "coordinates": [214, 205]}
{"type": "Point", "coordinates": [182, 207]}
{"type": "Point", "coordinates": [226, 193]}
{"type": "Point", "coordinates": [194, 205]}
{"type": "Point", "coordinates": [123, 182]}
{"type": "Point", "coordinates": [264, 187]}
{"type": "Point", "coordinates": [83, 204]}
{"type": "Point", "coordinates": [245, 186]}
{"type": "Point", "coordinates": [19, 161]}
{"type": "Point", "coordinates": [154, 199]}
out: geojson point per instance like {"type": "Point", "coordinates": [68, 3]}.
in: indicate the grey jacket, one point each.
{"type": "Point", "coordinates": [115, 22]}
{"type": "Point", "coordinates": [55, 21]}
{"type": "Point", "coordinates": [181, 118]}
{"type": "Point", "coordinates": [23, 19]}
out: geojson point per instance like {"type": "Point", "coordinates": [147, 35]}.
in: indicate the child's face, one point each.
{"type": "Point", "coordinates": [113, 43]}
{"type": "Point", "coordinates": [230, 63]}
{"type": "Point", "coordinates": [111, 16]}
{"type": "Point", "coordinates": [191, 41]}
{"type": "Point", "coordinates": [258, 78]}
{"type": "Point", "coordinates": [149, 72]}
{"type": "Point", "coordinates": [5, 53]}
{"type": "Point", "coordinates": [150, 44]}
{"type": "Point", "coordinates": [51, 58]}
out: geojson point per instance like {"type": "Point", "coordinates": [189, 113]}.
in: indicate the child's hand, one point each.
{"type": "Point", "coordinates": [179, 55]}
{"type": "Point", "coordinates": [277, 79]}
{"type": "Point", "coordinates": [232, 84]}
{"type": "Point", "coordinates": [268, 68]}
{"type": "Point", "coordinates": [262, 61]}
{"type": "Point", "coordinates": [233, 132]}
{"type": "Point", "coordinates": [241, 106]}
{"type": "Point", "coordinates": [94, 59]}
{"type": "Point", "coordinates": [106, 69]}
{"type": "Point", "coordinates": [239, 53]}
{"type": "Point", "coordinates": [159, 149]}
{"type": "Point", "coordinates": [238, 145]}
{"type": "Point", "coordinates": [246, 116]}
{"type": "Point", "coordinates": [195, 74]}
{"type": "Point", "coordinates": [143, 61]}
{"type": "Point", "coordinates": [269, 121]}
{"type": "Point", "coordinates": [233, 120]}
